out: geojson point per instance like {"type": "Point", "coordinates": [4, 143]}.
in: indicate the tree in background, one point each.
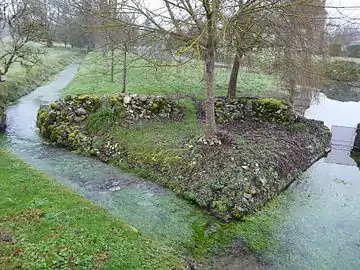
{"type": "Point", "coordinates": [194, 26]}
{"type": "Point", "coordinates": [46, 14]}
{"type": "Point", "coordinates": [277, 29]}
{"type": "Point", "coordinates": [16, 48]}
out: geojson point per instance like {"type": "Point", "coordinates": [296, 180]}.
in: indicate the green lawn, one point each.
{"type": "Point", "coordinates": [164, 78]}
{"type": "Point", "coordinates": [44, 225]}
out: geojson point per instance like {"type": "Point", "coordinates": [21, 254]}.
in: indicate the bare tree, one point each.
{"type": "Point", "coordinates": [276, 29]}
{"type": "Point", "coordinates": [195, 26]}
{"type": "Point", "coordinates": [46, 14]}
{"type": "Point", "coordinates": [16, 47]}
{"type": "Point", "coordinates": [118, 34]}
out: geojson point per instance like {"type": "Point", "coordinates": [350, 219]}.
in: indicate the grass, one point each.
{"type": "Point", "coordinates": [158, 137]}
{"type": "Point", "coordinates": [166, 78]}
{"type": "Point", "coordinates": [44, 225]}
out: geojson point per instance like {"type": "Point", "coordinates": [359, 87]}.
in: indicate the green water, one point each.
{"type": "Point", "coordinates": [315, 224]}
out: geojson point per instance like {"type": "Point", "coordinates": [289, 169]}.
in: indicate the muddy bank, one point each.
{"type": "Point", "coordinates": [255, 160]}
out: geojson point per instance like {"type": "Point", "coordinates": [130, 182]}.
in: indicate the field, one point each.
{"type": "Point", "coordinates": [164, 78]}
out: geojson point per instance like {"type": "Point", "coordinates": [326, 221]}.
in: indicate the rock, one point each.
{"type": "Point", "coordinates": [247, 196]}
{"type": "Point", "coordinates": [80, 111]}
{"type": "Point", "coordinates": [142, 98]}
{"type": "Point", "coordinates": [127, 99]}
{"type": "Point", "coordinates": [163, 115]}
{"type": "Point", "coordinates": [51, 117]}
{"type": "Point", "coordinates": [263, 180]}
{"type": "Point", "coordinates": [78, 119]}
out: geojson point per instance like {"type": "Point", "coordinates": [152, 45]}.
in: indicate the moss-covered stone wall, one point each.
{"type": "Point", "coordinates": [62, 122]}
{"type": "Point", "coordinates": [269, 110]}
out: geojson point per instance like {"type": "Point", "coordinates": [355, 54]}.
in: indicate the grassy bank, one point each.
{"type": "Point", "coordinates": [164, 78]}
{"type": "Point", "coordinates": [44, 225]}
{"type": "Point", "coordinates": [20, 81]}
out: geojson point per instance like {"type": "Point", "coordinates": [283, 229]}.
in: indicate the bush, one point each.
{"type": "Point", "coordinates": [105, 117]}
{"type": "Point", "coordinates": [345, 71]}
{"type": "Point", "coordinates": [354, 51]}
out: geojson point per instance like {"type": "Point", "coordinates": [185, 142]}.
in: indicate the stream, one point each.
{"type": "Point", "coordinates": [321, 224]}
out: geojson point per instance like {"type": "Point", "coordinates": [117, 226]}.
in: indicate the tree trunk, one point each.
{"type": "Point", "coordinates": [112, 65]}
{"type": "Point", "coordinates": [210, 131]}
{"type": "Point", "coordinates": [210, 125]}
{"type": "Point", "coordinates": [234, 77]}
{"type": "Point", "coordinates": [124, 71]}
{"type": "Point", "coordinates": [49, 42]}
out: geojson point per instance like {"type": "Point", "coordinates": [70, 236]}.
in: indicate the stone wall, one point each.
{"type": "Point", "coordinates": [269, 110]}
{"type": "Point", "coordinates": [64, 122]}
{"type": "Point", "coordinates": [134, 106]}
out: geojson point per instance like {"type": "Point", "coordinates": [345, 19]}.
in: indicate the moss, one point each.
{"type": "Point", "coordinates": [53, 105]}
{"type": "Point", "coordinates": [42, 116]}
{"type": "Point", "coordinates": [299, 127]}
{"type": "Point", "coordinates": [272, 102]}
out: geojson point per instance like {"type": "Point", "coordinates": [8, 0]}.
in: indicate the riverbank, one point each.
{"type": "Point", "coordinates": [45, 225]}
{"type": "Point", "coordinates": [20, 81]}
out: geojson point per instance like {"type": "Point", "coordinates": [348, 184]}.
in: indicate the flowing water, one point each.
{"type": "Point", "coordinates": [321, 224]}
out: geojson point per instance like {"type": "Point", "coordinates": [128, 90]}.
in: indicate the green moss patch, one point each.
{"type": "Point", "coordinates": [267, 109]}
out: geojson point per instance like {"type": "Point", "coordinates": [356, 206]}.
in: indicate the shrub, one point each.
{"type": "Point", "coordinates": [345, 71]}
{"type": "Point", "coordinates": [106, 116]}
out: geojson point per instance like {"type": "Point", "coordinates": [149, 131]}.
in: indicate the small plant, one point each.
{"type": "Point", "coordinates": [240, 140]}
{"type": "Point", "coordinates": [104, 118]}
{"type": "Point", "coordinates": [298, 127]}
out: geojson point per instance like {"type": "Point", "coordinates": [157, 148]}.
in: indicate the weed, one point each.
{"type": "Point", "coordinates": [105, 118]}
{"type": "Point", "coordinates": [298, 127]}
{"type": "Point", "coordinates": [240, 140]}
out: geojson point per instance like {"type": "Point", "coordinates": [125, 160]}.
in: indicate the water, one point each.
{"type": "Point", "coordinates": [320, 224]}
